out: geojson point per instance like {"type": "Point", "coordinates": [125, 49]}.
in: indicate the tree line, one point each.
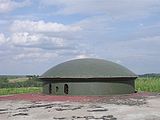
{"type": "Point", "coordinates": [32, 81]}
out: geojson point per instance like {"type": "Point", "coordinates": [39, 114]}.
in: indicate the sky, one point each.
{"type": "Point", "coordinates": [36, 35]}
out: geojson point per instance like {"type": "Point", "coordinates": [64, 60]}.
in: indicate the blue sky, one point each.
{"type": "Point", "coordinates": [38, 34]}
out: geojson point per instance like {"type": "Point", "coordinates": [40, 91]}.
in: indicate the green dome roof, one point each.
{"type": "Point", "coordinates": [88, 68]}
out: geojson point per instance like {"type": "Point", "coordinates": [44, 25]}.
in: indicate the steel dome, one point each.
{"type": "Point", "coordinates": [88, 68]}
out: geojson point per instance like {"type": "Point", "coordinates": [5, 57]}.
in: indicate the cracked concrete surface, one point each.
{"type": "Point", "coordinates": [146, 109]}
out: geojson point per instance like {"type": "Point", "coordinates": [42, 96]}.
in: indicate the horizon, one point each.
{"type": "Point", "coordinates": [41, 74]}
{"type": "Point", "coordinates": [36, 35]}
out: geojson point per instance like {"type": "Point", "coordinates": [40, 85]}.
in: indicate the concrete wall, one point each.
{"type": "Point", "coordinates": [90, 88]}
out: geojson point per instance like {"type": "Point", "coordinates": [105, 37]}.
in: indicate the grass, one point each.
{"type": "Point", "coordinates": [7, 91]}
{"type": "Point", "coordinates": [149, 84]}
{"type": "Point", "coordinates": [22, 79]}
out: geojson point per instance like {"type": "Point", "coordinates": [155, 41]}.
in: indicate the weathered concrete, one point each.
{"type": "Point", "coordinates": [146, 109]}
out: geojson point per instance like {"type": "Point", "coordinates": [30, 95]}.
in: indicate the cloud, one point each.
{"type": "Point", "coordinates": [138, 49]}
{"type": "Point", "coordinates": [44, 35]}
{"type": "Point", "coordinates": [42, 41]}
{"type": "Point", "coordinates": [24, 38]}
{"type": "Point", "coordinates": [54, 31]}
{"type": "Point", "coordinates": [41, 26]}
{"type": "Point", "coordinates": [147, 30]}
{"type": "Point", "coordinates": [115, 9]}
{"type": "Point", "coordinates": [31, 39]}
{"type": "Point", "coordinates": [81, 56]}
{"type": "Point", "coordinates": [9, 5]}
{"type": "Point", "coordinates": [35, 56]}
{"type": "Point", "coordinates": [3, 39]}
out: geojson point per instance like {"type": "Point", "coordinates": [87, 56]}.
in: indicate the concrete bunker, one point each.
{"type": "Point", "coordinates": [88, 77]}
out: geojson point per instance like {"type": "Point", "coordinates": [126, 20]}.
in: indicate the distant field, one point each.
{"type": "Point", "coordinates": [7, 91]}
{"type": "Point", "coordinates": [21, 79]}
{"type": "Point", "coordinates": [149, 84]}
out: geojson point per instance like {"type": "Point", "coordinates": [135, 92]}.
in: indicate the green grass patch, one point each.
{"type": "Point", "coordinates": [149, 84]}
{"type": "Point", "coordinates": [7, 91]}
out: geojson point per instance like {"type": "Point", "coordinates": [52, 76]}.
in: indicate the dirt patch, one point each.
{"type": "Point", "coordinates": [130, 99]}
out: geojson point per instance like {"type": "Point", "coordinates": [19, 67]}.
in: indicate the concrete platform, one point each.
{"type": "Point", "coordinates": [138, 106]}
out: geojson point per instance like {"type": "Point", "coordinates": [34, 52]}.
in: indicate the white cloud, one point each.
{"type": "Point", "coordinates": [93, 28]}
{"type": "Point", "coordinates": [38, 56]}
{"type": "Point", "coordinates": [9, 5]}
{"type": "Point", "coordinates": [28, 40]}
{"type": "Point", "coordinates": [140, 48]}
{"type": "Point", "coordinates": [116, 9]}
{"type": "Point", "coordinates": [38, 41]}
{"type": "Point", "coordinates": [41, 26]}
{"type": "Point", "coordinates": [155, 40]}
{"type": "Point", "coordinates": [148, 30]}
{"type": "Point", "coordinates": [24, 38]}
{"type": "Point", "coordinates": [3, 39]}
{"type": "Point", "coordinates": [58, 41]}
{"type": "Point", "coordinates": [118, 61]}
{"type": "Point", "coordinates": [43, 35]}
{"type": "Point", "coordinates": [81, 56]}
